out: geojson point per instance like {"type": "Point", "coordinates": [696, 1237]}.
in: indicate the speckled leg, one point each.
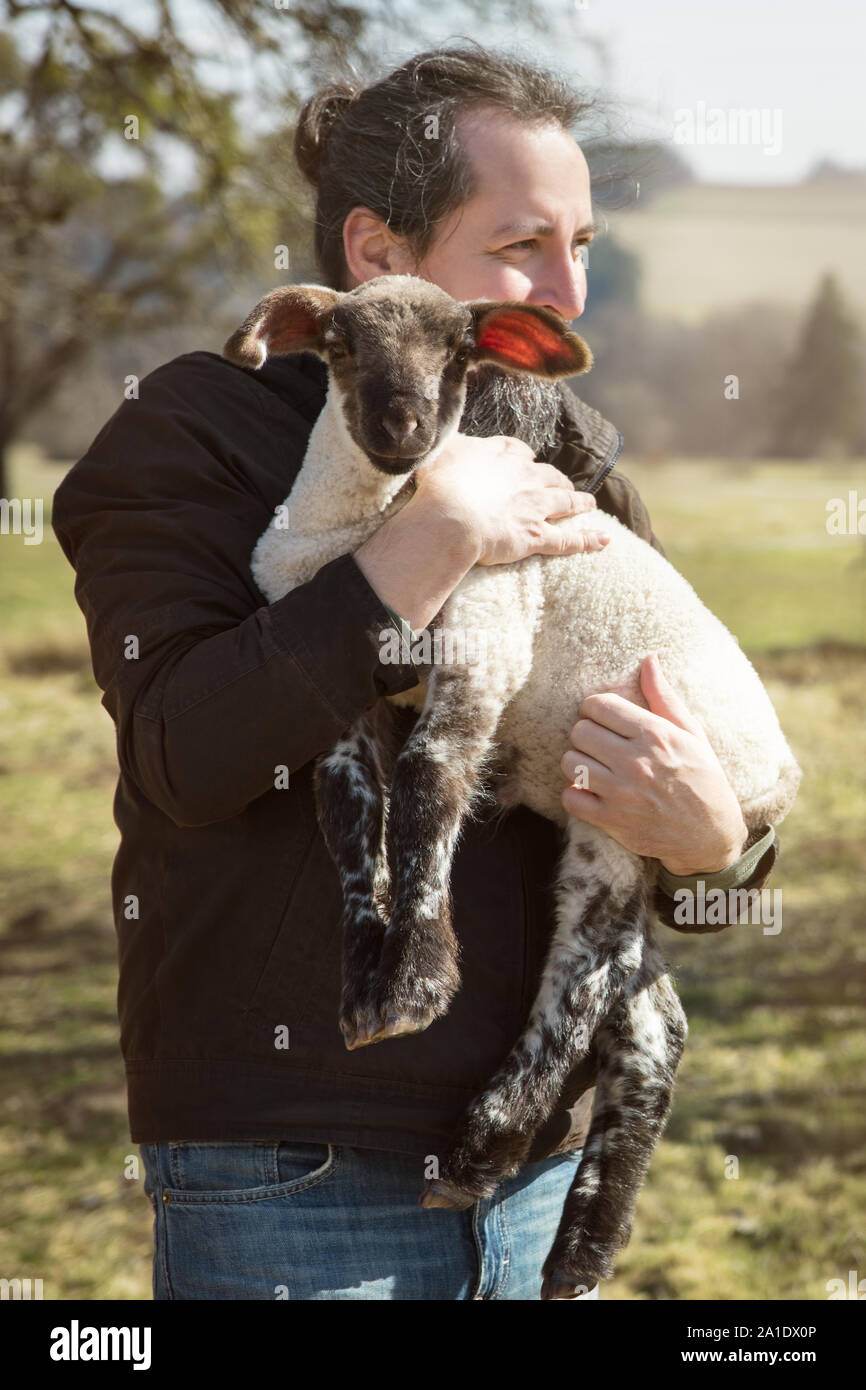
{"type": "Point", "coordinates": [437, 777]}
{"type": "Point", "coordinates": [596, 946]}
{"type": "Point", "coordinates": [639, 1046]}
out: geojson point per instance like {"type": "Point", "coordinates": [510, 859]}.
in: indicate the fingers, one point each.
{"type": "Point", "coordinates": [616, 713]}
{"type": "Point", "coordinates": [562, 539]}
{"type": "Point", "coordinates": [564, 502]}
{"type": "Point", "coordinates": [589, 774]}
{"type": "Point", "coordinates": [586, 807]}
{"type": "Point", "coordinates": [591, 740]}
{"type": "Point", "coordinates": [663, 699]}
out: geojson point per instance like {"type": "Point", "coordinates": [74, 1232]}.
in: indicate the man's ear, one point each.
{"type": "Point", "coordinates": [527, 338]}
{"type": "Point", "coordinates": [289, 319]}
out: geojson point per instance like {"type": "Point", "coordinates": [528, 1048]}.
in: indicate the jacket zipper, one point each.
{"type": "Point", "coordinates": [596, 482]}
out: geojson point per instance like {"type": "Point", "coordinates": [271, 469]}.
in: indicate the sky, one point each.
{"type": "Point", "coordinates": [679, 68]}
{"type": "Point", "coordinates": [679, 63]}
{"type": "Point", "coordinates": [799, 58]}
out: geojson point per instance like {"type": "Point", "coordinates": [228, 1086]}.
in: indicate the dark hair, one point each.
{"type": "Point", "coordinates": [370, 145]}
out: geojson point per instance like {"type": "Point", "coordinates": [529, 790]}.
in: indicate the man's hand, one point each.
{"type": "Point", "coordinates": [481, 502]}
{"type": "Point", "coordinates": [509, 504]}
{"type": "Point", "coordinates": [654, 783]}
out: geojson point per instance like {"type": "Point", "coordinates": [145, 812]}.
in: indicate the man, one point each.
{"type": "Point", "coordinates": [278, 1164]}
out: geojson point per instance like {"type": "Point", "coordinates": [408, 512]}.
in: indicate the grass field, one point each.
{"type": "Point", "coordinates": [704, 247]}
{"type": "Point", "coordinates": [774, 1073]}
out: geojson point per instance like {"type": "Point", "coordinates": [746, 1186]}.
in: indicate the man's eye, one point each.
{"type": "Point", "coordinates": [581, 246]}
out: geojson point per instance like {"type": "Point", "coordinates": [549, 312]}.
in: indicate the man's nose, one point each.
{"type": "Point", "coordinates": [565, 291]}
{"type": "Point", "coordinates": [567, 306]}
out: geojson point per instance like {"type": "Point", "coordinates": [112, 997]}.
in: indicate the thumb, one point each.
{"type": "Point", "coordinates": [663, 700]}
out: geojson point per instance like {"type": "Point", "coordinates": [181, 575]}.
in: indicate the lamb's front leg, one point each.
{"type": "Point", "coordinates": [351, 801]}
{"type": "Point", "coordinates": [436, 778]}
{"type": "Point", "coordinates": [596, 947]}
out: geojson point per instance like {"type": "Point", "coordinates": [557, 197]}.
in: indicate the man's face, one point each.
{"type": "Point", "coordinates": [522, 234]}
{"type": "Point", "coordinates": [519, 237]}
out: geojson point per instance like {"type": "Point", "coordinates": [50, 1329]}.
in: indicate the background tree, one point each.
{"type": "Point", "coordinates": [92, 111]}
{"type": "Point", "coordinates": [819, 398]}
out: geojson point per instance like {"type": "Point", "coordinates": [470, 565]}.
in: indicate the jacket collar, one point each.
{"type": "Point", "coordinates": [588, 447]}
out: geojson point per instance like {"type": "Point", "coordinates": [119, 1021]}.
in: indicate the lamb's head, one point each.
{"type": "Point", "coordinates": [399, 350]}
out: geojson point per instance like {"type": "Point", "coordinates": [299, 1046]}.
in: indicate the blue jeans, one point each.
{"type": "Point", "coordinates": [272, 1220]}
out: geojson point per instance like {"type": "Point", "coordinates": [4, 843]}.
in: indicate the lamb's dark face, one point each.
{"type": "Point", "coordinates": [399, 350]}
{"type": "Point", "coordinates": [399, 368]}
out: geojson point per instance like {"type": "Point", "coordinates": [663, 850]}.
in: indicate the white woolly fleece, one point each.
{"type": "Point", "coordinates": [558, 628]}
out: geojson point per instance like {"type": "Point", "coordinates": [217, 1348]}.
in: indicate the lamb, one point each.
{"type": "Point", "coordinates": [399, 350]}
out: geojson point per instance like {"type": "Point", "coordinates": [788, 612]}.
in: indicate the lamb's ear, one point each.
{"type": "Point", "coordinates": [527, 338]}
{"type": "Point", "coordinates": [287, 320]}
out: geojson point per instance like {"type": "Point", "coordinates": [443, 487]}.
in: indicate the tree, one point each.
{"type": "Point", "coordinates": [818, 400]}
{"type": "Point", "coordinates": [87, 250]}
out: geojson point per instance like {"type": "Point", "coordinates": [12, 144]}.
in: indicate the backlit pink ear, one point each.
{"type": "Point", "coordinates": [287, 320]}
{"type": "Point", "coordinates": [528, 338]}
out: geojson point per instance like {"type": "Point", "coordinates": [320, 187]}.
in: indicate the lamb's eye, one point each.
{"type": "Point", "coordinates": [338, 350]}
{"type": "Point", "coordinates": [461, 356]}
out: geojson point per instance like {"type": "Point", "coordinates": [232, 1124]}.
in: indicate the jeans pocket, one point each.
{"type": "Point", "coordinates": [305, 1163]}
{"type": "Point", "coordinates": [245, 1171]}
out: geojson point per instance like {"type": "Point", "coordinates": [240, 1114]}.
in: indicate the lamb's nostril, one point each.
{"type": "Point", "coordinates": [399, 426]}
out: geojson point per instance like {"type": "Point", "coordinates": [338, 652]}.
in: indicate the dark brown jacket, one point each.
{"type": "Point", "coordinates": [226, 902]}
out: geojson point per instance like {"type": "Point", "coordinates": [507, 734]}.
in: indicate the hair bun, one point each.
{"type": "Point", "coordinates": [317, 119]}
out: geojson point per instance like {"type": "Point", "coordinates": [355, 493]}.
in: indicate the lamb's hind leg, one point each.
{"type": "Point", "coordinates": [596, 946]}
{"type": "Point", "coordinates": [350, 786]}
{"type": "Point", "coordinates": [436, 778]}
{"type": "Point", "coordinates": [639, 1046]}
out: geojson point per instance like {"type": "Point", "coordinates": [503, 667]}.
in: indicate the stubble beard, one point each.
{"type": "Point", "coordinates": [500, 402]}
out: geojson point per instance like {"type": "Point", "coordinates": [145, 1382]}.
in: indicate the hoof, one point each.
{"type": "Point", "coordinates": [439, 1193]}
{"type": "Point", "coordinates": [374, 1029]}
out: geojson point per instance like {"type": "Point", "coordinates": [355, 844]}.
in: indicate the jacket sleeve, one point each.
{"type": "Point", "coordinates": [751, 871]}
{"type": "Point", "coordinates": [210, 688]}
{"type": "Point", "coordinates": [678, 901]}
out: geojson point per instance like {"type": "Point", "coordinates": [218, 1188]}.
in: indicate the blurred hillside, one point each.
{"type": "Point", "coordinates": [704, 248]}
{"type": "Point", "coordinates": [730, 320]}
